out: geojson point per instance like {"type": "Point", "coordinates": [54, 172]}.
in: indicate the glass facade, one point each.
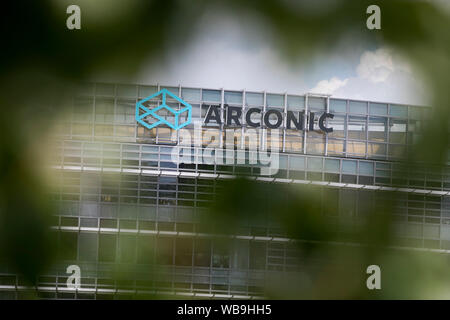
{"type": "Point", "coordinates": [122, 201]}
{"type": "Point", "coordinates": [360, 129]}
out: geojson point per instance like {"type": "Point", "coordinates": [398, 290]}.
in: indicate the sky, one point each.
{"type": "Point", "coordinates": [221, 55]}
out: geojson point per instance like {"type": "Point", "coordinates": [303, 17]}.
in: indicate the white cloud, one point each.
{"type": "Point", "coordinates": [329, 86]}
{"type": "Point", "coordinates": [222, 55]}
{"type": "Point", "coordinates": [236, 54]}
{"type": "Point", "coordinates": [376, 66]}
{"type": "Point", "coordinates": [380, 76]}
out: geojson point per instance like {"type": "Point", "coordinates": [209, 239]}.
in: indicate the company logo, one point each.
{"type": "Point", "coordinates": [272, 118]}
{"type": "Point", "coordinates": [150, 116]}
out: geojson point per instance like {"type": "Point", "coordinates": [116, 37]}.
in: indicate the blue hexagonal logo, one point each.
{"type": "Point", "coordinates": [145, 112]}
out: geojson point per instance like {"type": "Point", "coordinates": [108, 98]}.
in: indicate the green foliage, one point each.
{"type": "Point", "coordinates": [41, 59]}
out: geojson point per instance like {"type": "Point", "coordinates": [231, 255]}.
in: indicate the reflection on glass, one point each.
{"type": "Point", "coordinates": [275, 100]}
{"type": "Point", "coordinates": [358, 107]}
{"type": "Point", "coordinates": [356, 148]}
{"type": "Point", "coordinates": [295, 103]}
{"type": "Point", "coordinates": [413, 131]}
{"type": "Point", "coordinates": [83, 109]}
{"type": "Point", "coordinates": [126, 91]}
{"type": "Point", "coordinates": [274, 140]}
{"type": "Point", "coordinates": [338, 125]}
{"type": "Point", "coordinates": [240, 254]}
{"type": "Point", "coordinates": [190, 94]}
{"type": "Point", "coordinates": [165, 135]}
{"type": "Point", "coordinates": [232, 138]}
{"type": "Point", "coordinates": [397, 131]}
{"type": "Point", "coordinates": [378, 129]}
{"type": "Point", "coordinates": [398, 111]}
{"type": "Point", "coordinates": [317, 104]}
{"type": "Point", "coordinates": [315, 145]}
{"type": "Point", "coordinates": [103, 130]}
{"type": "Point", "coordinates": [397, 151]}
{"type": "Point", "coordinates": [366, 168]}
{"type": "Point", "coordinates": [211, 95]}
{"type": "Point", "coordinates": [349, 166]}
{"type": "Point", "coordinates": [195, 111]}
{"type": "Point", "coordinates": [145, 91]}
{"type": "Point", "coordinates": [125, 111]}
{"type": "Point", "coordinates": [335, 147]}
{"type": "Point", "coordinates": [211, 138]}
{"type": "Point", "coordinates": [378, 109]}
{"type": "Point", "coordinates": [104, 110]}
{"type": "Point", "coordinates": [173, 90]}
{"type": "Point", "coordinates": [125, 133]}
{"type": "Point", "coordinates": [332, 165]}
{"type": "Point", "coordinates": [233, 97]}
{"type": "Point", "coordinates": [315, 164]}
{"type": "Point", "coordinates": [254, 99]}
{"type": "Point", "coordinates": [251, 139]}
{"type": "Point", "coordinates": [356, 128]}
{"type": "Point", "coordinates": [297, 163]}
{"type": "Point", "coordinates": [376, 149]}
{"type": "Point", "coordinates": [338, 105]}
{"type": "Point", "coordinates": [146, 133]}
{"type": "Point", "coordinates": [294, 140]}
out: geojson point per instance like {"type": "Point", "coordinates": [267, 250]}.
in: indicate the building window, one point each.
{"type": "Point", "coordinates": [68, 244]}
{"type": "Point", "coordinates": [189, 94]}
{"type": "Point", "coordinates": [378, 109]}
{"type": "Point", "coordinates": [241, 254]}
{"type": "Point", "coordinates": [145, 249]}
{"type": "Point", "coordinates": [338, 124]}
{"type": "Point", "coordinates": [104, 110]}
{"type": "Point", "coordinates": [165, 251]}
{"type": "Point", "coordinates": [233, 97]}
{"type": "Point", "coordinates": [125, 111]}
{"type": "Point", "coordinates": [315, 144]}
{"type": "Point", "coordinates": [317, 104]}
{"type": "Point", "coordinates": [294, 141]}
{"type": "Point", "coordinates": [211, 95]}
{"type": "Point", "coordinates": [257, 255]}
{"type": "Point", "coordinates": [107, 248]}
{"type": "Point", "coordinates": [183, 256]}
{"type": "Point", "coordinates": [202, 254]}
{"type": "Point", "coordinates": [88, 247]}
{"type": "Point", "coordinates": [378, 129]}
{"type": "Point", "coordinates": [254, 99]}
{"type": "Point", "coordinates": [336, 147]}
{"type": "Point", "coordinates": [358, 107]}
{"type": "Point", "coordinates": [398, 111]}
{"type": "Point", "coordinates": [275, 100]}
{"type": "Point", "coordinates": [376, 150]}
{"type": "Point", "coordinates": [338, 105]}
{"type": "Point", "coordinates": [295, 103]}
{"type": "Point", "coordinates": [356, 128]}
{"type": "Point", "coordinates": [357, 148]}
{"type": "Point", "coordinates": [397, 131]}
{"type": "Point", "coordinates": [221, 254]}
{"type": "Point", "coordinates": [127, 249]}
{"type": "Point", "coordinates": [126, 91]}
